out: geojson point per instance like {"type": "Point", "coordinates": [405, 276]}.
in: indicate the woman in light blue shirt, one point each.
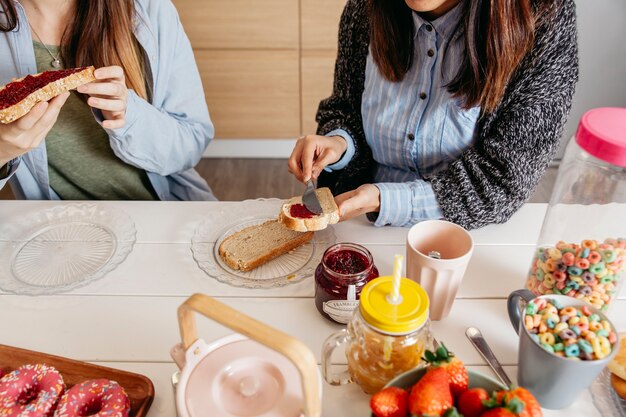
{"type": "Point", "coordinates": [442, 108]}
{"type": "Point", "coordinates": [147, 123]}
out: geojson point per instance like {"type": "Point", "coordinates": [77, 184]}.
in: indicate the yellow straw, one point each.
{"type": "Point", "coordinates": [397, 274]}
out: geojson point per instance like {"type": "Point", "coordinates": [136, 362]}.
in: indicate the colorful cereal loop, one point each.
{"type": "Point", "coordinates": [590, 244]}
{"type": "Point", "coordinates": [568, 258]}
{"type": "Point", "coordinates": [594, 257]}
{"type": "Point", "coordinates": [547, 338]}
{"type": "Point", "coordinates": [582, 263]}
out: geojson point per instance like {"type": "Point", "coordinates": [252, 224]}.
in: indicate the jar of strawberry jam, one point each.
{"type": "Point", "coordinates": [339, 278]}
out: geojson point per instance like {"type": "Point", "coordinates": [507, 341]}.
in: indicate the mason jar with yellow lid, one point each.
{"type": "Point", "coordinates": [385, 337]}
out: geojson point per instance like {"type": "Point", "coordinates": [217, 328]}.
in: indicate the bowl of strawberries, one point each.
{"type": "Point", "coordinates": [445, 388]}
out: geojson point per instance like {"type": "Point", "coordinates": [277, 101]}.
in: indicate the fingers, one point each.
{"type": "Point", "coordinates": [109, 73]}
{"type": "Point", "coordinates": [113, 124]}
{"type": "Point", "coordinates": [29, 120]}
{"type": "Point", "coordinates": [308, 156]}
{"type": "Point", "coordinates": [103, 89]}
{"type": "Point", "coordinates": [326, 158]}
{"type": "Point", "coordinates": [293, 165]}
{"type": "Point", "coordinates": [51, 114]}
{"type": "Point", "coordinates": [113, 105]}
{"type": "Point", "coordinates": [354, 203]}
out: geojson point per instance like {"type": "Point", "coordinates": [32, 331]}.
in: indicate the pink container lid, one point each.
{"type": "Point", "coordinates": [602, 133]}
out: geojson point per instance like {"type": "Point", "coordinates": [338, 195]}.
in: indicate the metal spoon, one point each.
{"type": "Point", "coordinates": [479, 342]}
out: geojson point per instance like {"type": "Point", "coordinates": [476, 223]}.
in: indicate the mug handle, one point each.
{"type": "Point", "coordinates": [512, 305]}
{"type": "Point", "coordinates": [330, 344]}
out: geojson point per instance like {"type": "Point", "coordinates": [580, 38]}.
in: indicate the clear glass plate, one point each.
{"type": "Point", "coordinates": [64, 247]}
{"type": "Point", "coordinates": [608, 403]}
{"type": "Point", "coordinates": [287, 269]}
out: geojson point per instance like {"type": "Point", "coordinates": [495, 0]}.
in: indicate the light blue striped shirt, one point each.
{"type": "Point", "coordinates": [415, 127]}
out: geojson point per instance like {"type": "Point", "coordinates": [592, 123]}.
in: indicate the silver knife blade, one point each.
{"type": "Point", "coordinates": [310, 200]}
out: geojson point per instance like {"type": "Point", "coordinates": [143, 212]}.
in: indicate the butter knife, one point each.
{"type": "Point", "coordinates": [310, 200]}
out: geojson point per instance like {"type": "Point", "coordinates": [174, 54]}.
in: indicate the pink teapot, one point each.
{"type": "Point", "coordinates": [259, 371]}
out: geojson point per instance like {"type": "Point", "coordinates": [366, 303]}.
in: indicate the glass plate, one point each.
{"type": "Point", "coordinates": [608, 403]}
{"type": "Point", "coordinates": [287, 269]}
{"type": "Point", "coordinates": [64, 247]}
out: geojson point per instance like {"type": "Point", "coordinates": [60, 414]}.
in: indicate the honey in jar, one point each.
{"type": "Point", "coordinates": [384, 338]}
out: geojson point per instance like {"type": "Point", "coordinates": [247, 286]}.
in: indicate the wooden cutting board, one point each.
{"type": "Point", "coordinates": [138, 387]}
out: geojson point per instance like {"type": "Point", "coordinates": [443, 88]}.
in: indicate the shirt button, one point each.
{"type": "Point", "coordinates": [423, 96]}
{"type": "Point", "coordinates": [431, 52]}
{"type": "Point", "coordinates": [429, 28]}
{"type": "Point", "coordinates": [410, 136]}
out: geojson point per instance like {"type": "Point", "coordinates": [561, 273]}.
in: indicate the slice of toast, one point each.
{"type": "Point", "coordinates": [329, 215]}
{"type": "Point", "coordinates": [253, 246]}
{"type": "Point", "coordinates": [19, 96]}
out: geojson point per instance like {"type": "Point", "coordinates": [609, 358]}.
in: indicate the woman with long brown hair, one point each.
{"type": "Point", "coordinates": [134, 133]}
{"type": "Point", "coordinates": [443, 108]}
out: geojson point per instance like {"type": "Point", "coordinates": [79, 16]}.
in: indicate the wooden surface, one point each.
{"type": "Point", "coordinates": [317, 84]}
{"type": "Point", "coordinates": [252, 94]}
{"type": "Point", "coordinates": [250, 56]}
{"type": "Point", "coordinates": [240, 24]}
{"type": "Point", "coordinates": [128, 319]}
{"type": "Point", "coordinates": [320, 23]}
{"type": "Point", "coordinates": [139, 388]}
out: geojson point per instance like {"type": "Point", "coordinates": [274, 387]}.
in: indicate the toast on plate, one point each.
{"type": "Point", "coordinates": [295, 216]}
{"type": "Point", "coordinates": [253, 246]}
{"type": "Point", "coordinates": [19, 96]}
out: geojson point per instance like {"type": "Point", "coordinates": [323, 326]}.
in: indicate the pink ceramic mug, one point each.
{"type": "Point", "coordinates": [441, 278]}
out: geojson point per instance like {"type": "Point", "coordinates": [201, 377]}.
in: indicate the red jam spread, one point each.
{"type": "Point", "coordinates": [343, 265]}
{"type": "Point", "coordinates": [17, 91]}
{"type": "Point", "coordinates": [299, 211]}
{"type": "Point", "coordinates": [347, 262]}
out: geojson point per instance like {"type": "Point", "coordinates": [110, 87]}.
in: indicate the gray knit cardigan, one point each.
{"type": "Point", "coordinates": [515, 142]}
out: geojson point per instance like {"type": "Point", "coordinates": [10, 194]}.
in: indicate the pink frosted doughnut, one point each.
{"type": "Point", "coordinates": [94, 398]}
{"type": "Point", "coordinates": [30, 391]}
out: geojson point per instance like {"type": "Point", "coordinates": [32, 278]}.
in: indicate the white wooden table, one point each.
{"type": "Point", "coordinates": [127, 319]}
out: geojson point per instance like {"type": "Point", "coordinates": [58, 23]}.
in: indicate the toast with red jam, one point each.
{"type": "Point", "coordinates": [295, 216]}
{"type": "Point", "coordinates": [19, 96]}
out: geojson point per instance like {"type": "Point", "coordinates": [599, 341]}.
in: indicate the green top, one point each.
{"type": "Point", "coordinates": [81, 163]}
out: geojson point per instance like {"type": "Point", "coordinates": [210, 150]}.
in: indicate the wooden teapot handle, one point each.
{"type": "Point", "coordinates": [296, 351]}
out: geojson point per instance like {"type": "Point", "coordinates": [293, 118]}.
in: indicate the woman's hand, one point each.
{"type": "Point", "coordinates": [108, 94]}
{"type": "Point", "coordinates": [313, 153]}
{"type": "Point", "coordinates": [364, 199]}
{"type": "Point", "coordinates": [27, 132]}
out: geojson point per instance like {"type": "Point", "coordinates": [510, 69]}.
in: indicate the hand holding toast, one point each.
{"type": "Point", "coordinates": [313, 153]}
{"type": "Point", "coordinates": [364, 199]}
{"type": "Point", "coordinates": [108, 94]}
{"type": "Point", "coordinates": [27, 132]}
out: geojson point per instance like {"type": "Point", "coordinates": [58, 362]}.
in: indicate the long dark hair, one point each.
{"type": "Point", "coordinates": [101, 34]}
{"type": "Point", "coordinates": [498, 34]}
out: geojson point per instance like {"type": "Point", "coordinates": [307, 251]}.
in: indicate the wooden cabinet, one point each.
{"type": "Point", "coordinates": [226, 24]}
{"type": "Point", "coordinates": [320, 23]}
{"type": "Point", "coordinates": [252, 94]}
{"type": "Point", "coordinates": [265, 65]}
{"type": "Point", "coordinates": [317, 84]}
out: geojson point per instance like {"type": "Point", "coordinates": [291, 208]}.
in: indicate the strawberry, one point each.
{"type": "Point", "coordinates": [470, 403]}
{"type": "Point", "coordinates": [513, 408]}
{"type": "Point", "coordinates": [390, 402]}
{"type": "Point", "coordinates": [431, 395]}
{"type": "Point", "coordinates": [531, 405]}
{"type": "Point", "coordinates": [442, 357]}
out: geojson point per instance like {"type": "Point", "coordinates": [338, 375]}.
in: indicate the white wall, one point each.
{"type": "Point", "coordinates": [602, 54]}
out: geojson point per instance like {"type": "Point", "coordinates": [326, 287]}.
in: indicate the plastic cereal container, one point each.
{"type": "Point", "coordinates": [582, 246]}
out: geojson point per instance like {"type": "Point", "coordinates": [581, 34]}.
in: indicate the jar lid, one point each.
{"type": "Point", "coordinates": [602, 133]}
{"type": "Point", "coordinates": [379, 312]}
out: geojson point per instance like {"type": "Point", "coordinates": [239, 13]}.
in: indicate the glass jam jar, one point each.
{"type": "Point", "coordinates": [339, 278]}
{"type": "Point", "coordinates": [581, 250]}
{"type": "Point", "coordinates": [383, 339]}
